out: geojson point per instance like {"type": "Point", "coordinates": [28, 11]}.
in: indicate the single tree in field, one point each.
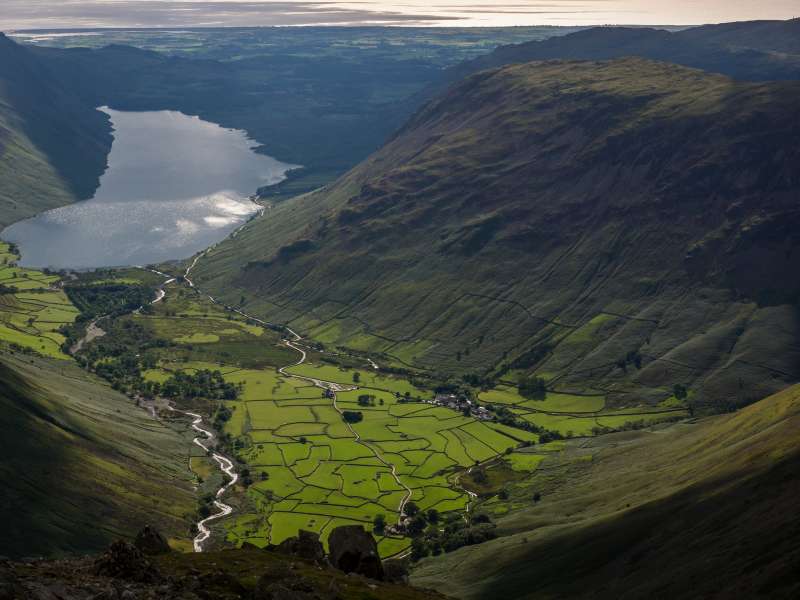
{"type": "Point", "coordinates": [379, 524]}
{"type": "Point", "coordinates": [356, 377]}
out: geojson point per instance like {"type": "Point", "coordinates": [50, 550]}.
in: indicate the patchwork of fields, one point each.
{"type": "Point", "coordinates": [303, 465]}
{"type": "Point", "coordinates": [309, 468]}
{"type": "Point", "coordinates": [32, 307]}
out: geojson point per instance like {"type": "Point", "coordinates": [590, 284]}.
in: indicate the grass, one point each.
{"type": "Point", "coordinates": [32, 316]}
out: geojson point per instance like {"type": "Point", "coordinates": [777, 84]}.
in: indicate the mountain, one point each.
{"type": "Point", "coordinates": [766, 36]}
{"type": "Point", "coordinates": [698, 510]}
{"type": "Point", "coordinates": [750, 50]}
{"type": "Point", "coordinates": [323, 112]}
{"type": "Point", "coordinates": [53, 146]}
{"type": "Point", "coordinates": [621, 226]}
{"type": "Point", "coordinates": [82, 465]}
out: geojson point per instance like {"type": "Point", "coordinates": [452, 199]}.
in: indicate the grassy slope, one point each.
{"type": "Point", "coordinates": [81, 464]}
{"type": "Point", "coordinates": [579, 210]}
{"type": "Point", "coordinates": [702, 509]}
{"type": "Point", "coordinates": [53, 147]}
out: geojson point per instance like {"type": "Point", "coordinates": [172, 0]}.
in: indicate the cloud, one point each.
{"type": "Point", "coordinates": [74, 14]}
{"type": "Point", "coordinates": [55, 14]}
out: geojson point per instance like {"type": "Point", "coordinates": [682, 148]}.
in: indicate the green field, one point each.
{"type": "Point", "coordinates": [32, 308]}
{"type": "Point", "coordinates": [310, 470]}
{"type": "Point", "coordinates": [574, 415]}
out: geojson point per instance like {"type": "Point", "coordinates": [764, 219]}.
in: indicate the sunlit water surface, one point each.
{"type": "Point", "coordinates": [174, 186]}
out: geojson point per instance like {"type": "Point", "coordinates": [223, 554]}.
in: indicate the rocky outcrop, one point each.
{"type": "Point", "coordinates": [150, 541]}
{"type": "Point", "coordinates": [125, 573]}
{"type": "Point", "coordinates": [305, 545]}
{"type": "Point", "coordinates": [125, 561]}
{"type": "Point", "coordinates": [354, 550]}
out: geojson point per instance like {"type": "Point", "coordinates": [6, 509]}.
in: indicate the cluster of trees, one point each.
{"type": "Point", "coordinates": [353, 416]}
{"type": "Point", "coordinates": [7, 289]}
{"type": "Point", "coordinates": [631, 358]}
{"type": "Point", "coordinates": [532, 387]}
{"type": "Point", "coordinates": [450, 534]}
{"type": "Point", "coordinates": [113, 299]}
{"type": "Point", "coordinates": [201, 384]}
{"type": "Point", "coordinates": [367, 400]}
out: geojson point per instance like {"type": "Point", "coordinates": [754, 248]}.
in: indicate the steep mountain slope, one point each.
{"type": "Point", "coordinates": [53, 146]}
{"type": "Point", "coordinates": [697, 510]}
{"type": "Point", "coordinates": [81, 464]}
{"type": "Point", "coordinates": [622, 226]}
{"type": "Point", "coordinates": [750, 50]}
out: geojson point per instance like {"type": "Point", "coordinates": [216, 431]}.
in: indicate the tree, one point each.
{"type": "Point", "coordinates": [356, 377]}
{"type": "Point", "coordinates": [479, 518]}
{"type": "Point", "coordinates": [433, 515]}
{"type": "Point", "coordinates": [419, 549]}
{"type": "Point", "coordinates": [532, 387]}
{"type": "Point", "coordinates": [416, 525]}
{"type": "Point", "coordinates": [411, 509]}
{"type": "Point", "coordinates": [536, 497]}
{"type": "Point", "coordinates": [680, 391]}
{"type": "Point", "coordinates": [379, 524]}
{"type": "Point", "coordinates": [479, 477]}
{"type": "Point", "coordinates": [352, 416]}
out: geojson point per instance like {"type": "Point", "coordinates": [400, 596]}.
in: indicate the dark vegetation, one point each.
{"type": "Point", "coordinates": [107, 299]}
{"type": "Point", "coordinates": [432, 538]}
{"type": "Point", "coordinates": [200, 384]}
{"type": "Point", "coordinates": [353, 416]}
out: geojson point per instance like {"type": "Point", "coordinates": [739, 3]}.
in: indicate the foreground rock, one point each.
{"type": "Point", "coordinates": [125, 561]}
{"type": "Point", "coordinates": [354, 550]}
{"type": "Point", "coordinates": [150, 541]}
{"type": "Point", "coordinates": [292, 571]}
{"type": "Point", "coordinates": [305, 545]}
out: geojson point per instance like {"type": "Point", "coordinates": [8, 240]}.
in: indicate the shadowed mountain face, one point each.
{"type": "Point", "coordinates": [82, 465]}
{"type": "Point", "coordinates": [53, 145]}
{"type": "Point", "coordinates": [752, 50]}
{"type": "Point", "coordinates": [558, 217]}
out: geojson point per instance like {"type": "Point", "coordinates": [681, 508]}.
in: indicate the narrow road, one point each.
{"type": "Point", "coordinates": [92, 333]}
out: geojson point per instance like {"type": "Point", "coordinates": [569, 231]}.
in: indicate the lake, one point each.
{"type": "Point", "coordinates": [174, 185]}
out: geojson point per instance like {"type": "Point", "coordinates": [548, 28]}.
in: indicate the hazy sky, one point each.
{"type": "Point", "coordinates": [21, 14]}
